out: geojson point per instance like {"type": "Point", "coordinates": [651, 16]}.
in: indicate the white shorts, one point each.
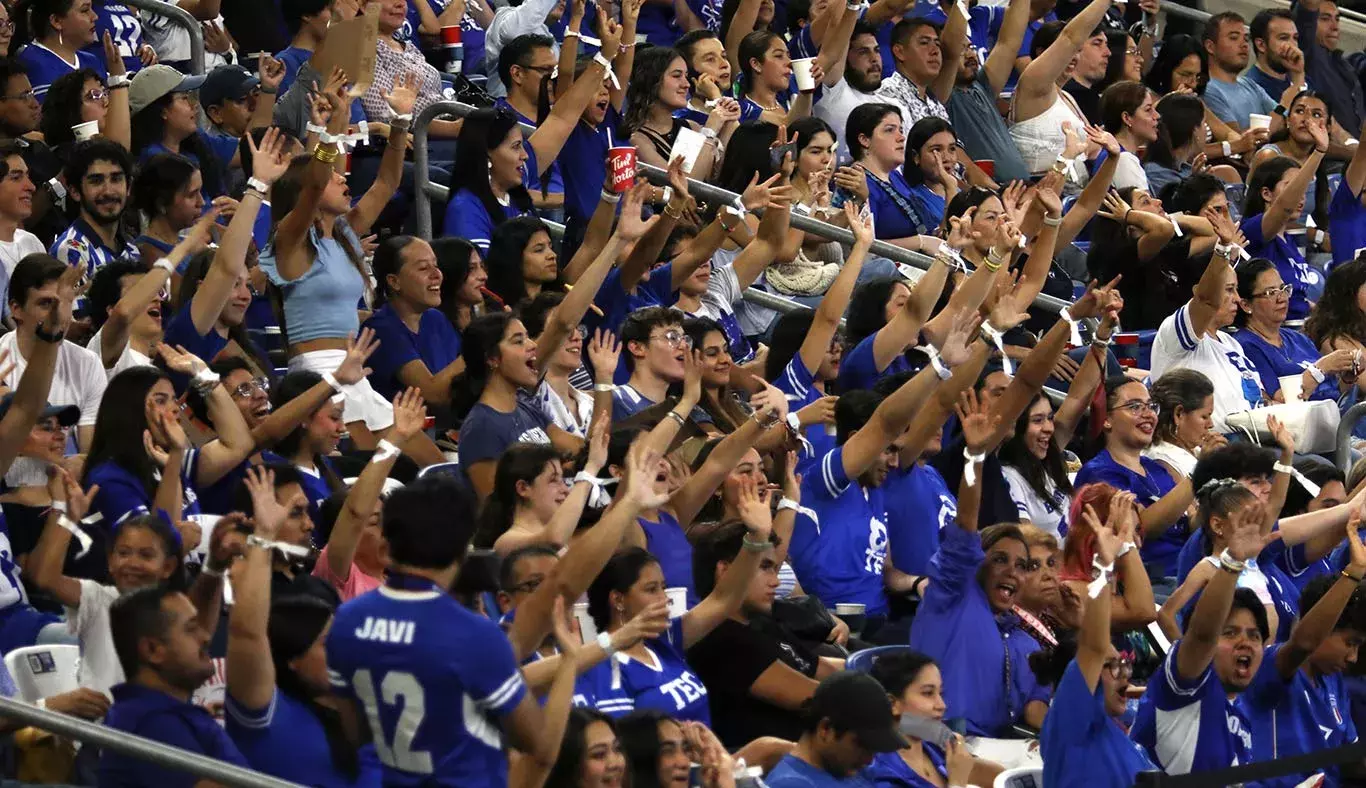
{"type": "Point", "coordinates": [362, 403]}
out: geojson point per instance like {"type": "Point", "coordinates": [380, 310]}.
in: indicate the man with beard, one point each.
{"type": "Point", "coordinates": [847, 722]}
{"type": "Point", "coordinates": [164, 652]}
{"type": "Point", "coordinates": [1232, 98]}
{"type": "Point", "coordinates": [862, 76]}
{"type": "Point", "coordinates": [1092, 62]}
{"type": "Point", "coordinates": [97, 175]}
{"type": "Point", "coordinates": [972, 103]}
{"type": "Point", "coordinates": [1276, 42]}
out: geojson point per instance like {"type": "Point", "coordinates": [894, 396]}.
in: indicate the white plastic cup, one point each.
{"type": "Point", "coordinates": [678, 601]}
{"type": "Point", "coordinates": [86, 131]}
{"type": "Point", "coordinates": [587, 629]}
{"type": "Point", "coordinates": [1255, 122]}
{"type": "Point", "coordinates": [801, 69]}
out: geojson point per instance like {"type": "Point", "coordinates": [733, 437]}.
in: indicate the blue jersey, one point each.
{"type": "Point", "coordinates": [286, 740]}
{"type": "Point", "coordinates": [799, 384]}
{"type": "Point", "coordinates": [315, 487]}
{"type": "Point", "coordinates": [839, 545]}
{"type": "Point", "coordinates": [1085, 746]}
{"type": "Point", "coordinates": [1298, 716]}
{"type": "Point", "coordinates": [466, 217]}
{"type": "Point", "coordinates": [82, 247]}
{"type": "Point", "coordinates": [894, 212]}
{"type": "Point", "coordinates": [890, 770]}
{"type": "Point", "coordinates": [43, 66]}
{"type": "Point", "coordinates": [1190, 726]}
{"type": "Point", "coordinates": [122, 495]}
{"type": "Point", "coordinates": [622, 684]}
{"type": "Point", "coordinates": [1294, 355]}
{"type": "Point", "coordinates": [858, 368]}
{"type": "Point", "coordinates": [793, 772]}
{"type": "Point", "coordinates": [667, 542]}
{"type": "Point", "coordinates": [1346, 223]}
{"type": "Point", "coordinates": [1289, 262]}
{"type": "Point", "coordinates": [125, 28]}
{"type": "Point", "coordinates": [1148, 487]}
{"type": "Point", "coordinates": [617, 299]}
{"type": "Point", "coordinates": [924, 508]}
{"type": "Point", "coordinates": [433, 703]}
{"type": "Point", "coordinates": [583, 164]}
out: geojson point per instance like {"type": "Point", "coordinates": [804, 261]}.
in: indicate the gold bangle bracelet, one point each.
{"type": "Point", "coordinates": [325, 155]}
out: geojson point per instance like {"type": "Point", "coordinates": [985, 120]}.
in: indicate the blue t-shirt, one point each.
{"type": "Point", "coordinates": [121, 494]}
{"type": "Point", "coordinates": [627, 402]}
{"type": "Point", "coordinates": [286, 740]}
{"type": "Point", "coordinates": [667, 542]}
{"type": "Point", "coordinates": [155, 715]}
{"type": "Point", "coordinates": [1086, 746]}
{"type": "Point", "coordinates": [315, 488]}
{"type": "Point", "coordinates": [858, 368]}
{"type": "Point", "coordinates": [839, 543]}
{"type": "Point", "coordinates": [893, 217]}
{"type": "Point", "coordinates": [1201, 728]}
{"type": "Point", "coordinates": [1234, 102]}
{"type": "Point", "coordinates": [924, 506]}
{"type": "Point", "coordinates": [43, 66]}
{"type": "Point", "coordinates": [929, 205]}
{"type": "Point", "coordinates": [435, 344]}
{"type": "Point", "coordinates": [1149, 487]}
{"type": "Point", "coordinates": [486, 432]}
{"type": "Point", "coordinates": [124, 26]}
{"type": "Point", "coordinates": [977, 651]}
{"type": "Point", "coordinates": [221, 496]}
{"type": "Point", "coordinates": [1289, 262]}
{"type": "Point", "coordinates": [1346, 223]}
{"type": "Point", "coordinates": [1293, 357]}
{"type": "Point", "coordinates": [792, 772]}
{"type": "Point", "coordinates": [615, 300]}
{"type": "Point", "coordinates": [798, 383]}
{"type": "Point", "coordinates": [890, 770]}
{"type": "Point", "coordinates": [582, 164]}
{"type": "Point", "coordinates": [433, 702]}
{"type": "Point", "coordinates": [466, 217]}
{"type": "Point", "coordinates": [1298, 716]}
{"type": "Point", "coordinates": [621, 684]}
{"type": "Point", "coordinates": [1276, 563]}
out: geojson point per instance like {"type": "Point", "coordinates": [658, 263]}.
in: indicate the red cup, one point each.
{"type": "Point", "coordinates": [450, 35]}
{"type": "Point", "coordinates": [621, 161]}
{"type": "Point", "coordinates": [988, 166]}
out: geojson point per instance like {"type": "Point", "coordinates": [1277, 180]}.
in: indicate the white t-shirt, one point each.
{"type": "Point", "coordinates": [89, 621]}
{"type": "Point", "coordinates": [79, 378]}
{"type": "Point", "coordinates": [24, 244]}
{"type": "Point", "coordinates": [836, 103]}
{"type": "Point", "coordinates": [1219, 357]}
{"type": "Point", "coordinates": [1129, 173]}
{"type": "Point", "coordinates": [1173, 455]}
{"type": "Point", "coordinates": [1048, 515]}
{"type": "Point", "coordinates": [128, 358]}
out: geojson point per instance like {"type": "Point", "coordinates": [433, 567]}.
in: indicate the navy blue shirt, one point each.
{"type": "Point", "coordinates": [1086, 746]}
{"type": "Point", "coordinates": [155, 715]}
{"type": "Point", "coordinates": [1346, 223]}
{"type": "Point", "coordinates": [435, 344]}
{"type": "Point", "coordinates": [122, 495]}
{"type": "Point", "coordinates": [792, 772]}
{"type": "Point", "coordinates": [583, 165]}
{"type": "Point", "coordinates": [286, 740]}
{"type": "Point", "coordinates": [486, 432]}
{"type": "Point", "coordinates": [892, 217]}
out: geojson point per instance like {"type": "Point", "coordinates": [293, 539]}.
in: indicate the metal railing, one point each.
{"type": "Point", "coordinates": [1184, 11]}
{"type": "Point", "coordinates": [137, 747]}
{"type": "Point", "coordinates": [182, 18]}
{"type": "Point", "coordinates": [1346, 425]}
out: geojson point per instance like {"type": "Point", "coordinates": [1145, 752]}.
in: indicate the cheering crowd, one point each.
{"type": "Point", "coordinates": [544, 500]}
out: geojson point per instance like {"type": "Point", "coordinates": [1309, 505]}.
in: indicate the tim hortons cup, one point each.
{"type": "Point", "coordinates": [622, 161]}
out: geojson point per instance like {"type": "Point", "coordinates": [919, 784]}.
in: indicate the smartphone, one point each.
{"type": "Point", "coordinates": [777, 153]}
{"type": "Point", "coordinates": [926, 729]}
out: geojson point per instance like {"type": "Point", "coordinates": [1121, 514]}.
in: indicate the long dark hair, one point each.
{"type": "Point", "coordinates": [919, 136]}
{"type": "Point", "coordinates": [149, 128]}
{"type": "Point", "coordinates": [1181, 116]}
{"type": "Point", "coordinates": [643, 90]}
{"type": "Point", "coordinates": [747, 155]}
{"type": "Point", "coordinates": [621, 572]}
{"type": "Point", "coordinates": [1118, 41]}
{"type": "Point", "coordinates": [484, 130]}
{"type": "Point", "coordinates": [507, 245]}
{"type": "Point", "coordinates": [170, 545]}
{"type": "Point", "coordinates": [565, 772]}
{"type": "Point", "coordinates": [752, 47]}
{"type": "Point", "coordinates": [478, 346]}
{"type": "Point", "coordinates": [62, 107]}
{"type": "Point", "coordinates": [296, 622]}
{"type": "Point", "coordinates": [1336, 314]}
{"type": "Point", "coordinates": [195, 271]}
{"type": "Point", "coordinates": [1320, 184]}
{"type": "Point", "coordinates": [1266, 176]}
{"type": "Point", "coordinates": [867, 311]}
{"type": "Point", "coordinates": [388, 260]}
{"type": "Point", "coordinates": [638, 733]}
{"type": "Point", "coordinates": [726, 412]}
{"type": "Point", "coordinates": [31, 20]}
{"type": "Point", "coordinates": [158, 180]}
{"type": "Point", "coordinates": [119, 425]}
{"type": "Point", "coordinates": [284, 196]}
{"type": "Point", "coordinates": [787, 336]}
{"type": "Point", "coordinates": [292, 385]}
{"type": "Point", "coordinates": [1247, 282]}
{"type": "Point", "coordinates": [1168, 59]}
{"type": "Point", "coordinates": [453, 257]}
{"type": "Point", "coordinates": [520, 462]}
{"type": "Point", "coordinates": [1037, 472]}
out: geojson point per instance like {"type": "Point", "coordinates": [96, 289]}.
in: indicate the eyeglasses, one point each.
{"type": "Point", "coordinates": [1119, 668]}
{"type": "Point", "coordinates": [251, 387]}
{"type": "Point", "coordinates": [527, 586]}
{"type": "Point", "coordinates": [96, 94]}
{"type": "Point", "coordinates": [7, 25]}
{"type": "Point", "coordinates": [27, 95]}
{"type": "Point", "coordinates": [1132, 52]}
{"type": "Point", "coordinates": [49, 425]}
{"type": "Point", "coordinates": [1274, 292]}
{"type": "Point", "coordinates": [538, 69]}
{"type": "Point", "coordinates": [1136, 408]}
{"type": "Point", "coordinates": [675, 339]}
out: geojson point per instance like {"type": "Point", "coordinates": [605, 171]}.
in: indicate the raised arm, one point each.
{"type": "Point", "coordinates": [626, 58]}
{"type": "Point", "coordinates": [952, 40]}
{"type": "Point", "coordinates": [45, 563]}
{"type": "Point", "coordinates": [118, 122]}
{"type": "Point", "coordinates": [741, 24]}
{"type": "Point", "coordinates": [1089, 376]}
{"type": "Point", "coordinates": [978, 427]}
{"type": "Point", "coordinates": [1208, 297]}
{"type": "Point", "coordinates": [892, 339]}
{"type": "Point", "coordinates": [566, 517]}
{"type": "Point", "coordinates": [550, 137]}
{"type": "Point", "coordinates": [1356, 168]}
{"type": "Point", "coordinates": [1093, 645]}
{"type": "Point", "coordinates": [1041, 75]}
{"type": "Point", "coordinates": [1090, 199]}
{"type": "Point", "coordinates": [594, 237]}
{"type": "Point", "coordinates": [250, 669]}
{"type": "Point", "coordinates": [1001, 61]}
{"type": "Point", "coordinates": [532, 772]}
{"type": "Point", "coordinates": [1282, 210]}
{"type": "Point", "coordinates": [834, 49]}
{"type": "Point", "coordinates": [234, 442]}
{"type": "Point", "coordinates": [164, 430]}
{"type": "Point", "coordinates": [402, 97]}
{"type": "Point", "coordinates": [770, 411]}
{"type": "Point", "coordinates": [147, 288]}
{"type": "Point", "coordinates": [729, 593]}
{"type": "Point", "coordinates": [30, 396]}
{"type": "Point", "coordinates": [1318, 622]}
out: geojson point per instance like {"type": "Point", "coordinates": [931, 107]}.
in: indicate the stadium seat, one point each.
{"type": "Point", "coordinates": [1020, 777]}
{"type": "Point", "coordinates": [863, 660]}
{"type": "Point", "coordinates": [43, 671]}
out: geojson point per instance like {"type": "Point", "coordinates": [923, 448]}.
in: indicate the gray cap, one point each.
{"type": "Point", "coordinates": [153, 82]}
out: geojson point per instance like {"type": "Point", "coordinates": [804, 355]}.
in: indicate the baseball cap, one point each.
{"type": "Point", "coordinates": [153, 82]}
{"type": "Point", "coordinates": [67, 415]}
{"type": "Point", "coordinates": [228, 81]}
{"type": "Point", "coordinates": [857, 703]}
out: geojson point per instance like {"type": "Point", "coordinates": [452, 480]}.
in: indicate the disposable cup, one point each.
{"type": "Point", "coordinates": [86, 131]}
{"type": "Point", "coordinates": [622, 161]}
{"type": "Point", "coordinates": [801, 69]}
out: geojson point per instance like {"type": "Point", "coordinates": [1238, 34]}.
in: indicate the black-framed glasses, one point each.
{"type": "Point", "coordinates": [1274, 292]}
{"type": "Point", "coordinates": [252, 386]}
{"type": "Point", "coordinates": [538, 69]}
{"type": "Point", "coordinates": [1119, 668]}
{"type": "Point", "coordinates": [1137, 407]}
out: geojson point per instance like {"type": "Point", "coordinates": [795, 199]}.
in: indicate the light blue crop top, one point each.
{"type": "Point", "coordinates": [322, 303]}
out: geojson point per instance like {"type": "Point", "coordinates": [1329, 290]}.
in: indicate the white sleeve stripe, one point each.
{"type": "Point", "coordinates": [504, 693]}
{"type": "Point", "coordinates": [1183, 328]}
{"type": "Point", "coordinates": [246, 720]}
{"type": "Point", "coordinates": [792, 379]}
{"type": "Point", "coordinates": [1174, 681]}
{"type": "Point", "coordinates": [828, 476]}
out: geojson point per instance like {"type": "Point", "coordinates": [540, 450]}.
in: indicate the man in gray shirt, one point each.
{"type": "Point", "coordinates": [1232, 98]}
{"type": "Point", "coordinates": [972, 103]}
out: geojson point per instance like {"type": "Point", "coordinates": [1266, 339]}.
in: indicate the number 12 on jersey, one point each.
{"type": "Point", "coordinates": [397, 687]}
